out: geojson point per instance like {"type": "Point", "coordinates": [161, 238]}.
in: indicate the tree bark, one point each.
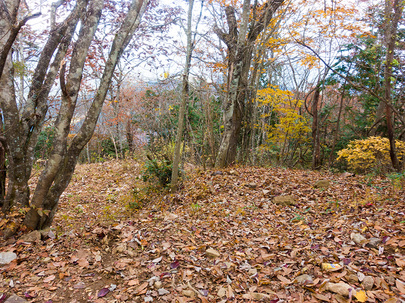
{"type": "Point", "coordinates": [22, 126]}
{"type": "Point", "coordinates": [184, 97]}
{"type": "Point", "coordinates": [51, 186]}
{"type": "Point", "coordinates": [240, 49]}
{"type": "Point", "coordinates": [393, 12]}
{"type": "Point", "coordinates": [316, 156]}
{"type": "Point", "coordinates": [337, 129]}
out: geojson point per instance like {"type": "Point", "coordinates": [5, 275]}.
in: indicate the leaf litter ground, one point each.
{"type": "Point", "coordinates": [223, 237]}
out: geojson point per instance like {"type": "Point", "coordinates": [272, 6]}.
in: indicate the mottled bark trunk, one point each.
{"type": "Point", "coordinates": [392, 15]}
{"type": "Point", "coordinates": [22, 126]}
{"type": "Point", "coordinates": [130, 136]}
{"type": "Point", "coordinates": [316, 153]}
{"type": "Point", "coordinates": [240, 50]}
{"type": "Point", "coordinates": [63, 160]}
{"type": "Point", "coordinates": [184, 98]}
{"type": "Point", "coordinates": [337, 129]}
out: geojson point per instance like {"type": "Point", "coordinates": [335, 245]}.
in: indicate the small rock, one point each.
{"type": "Point", "coordinates": [303, 279]}
{"type": "Point", "coordinates": [121, 247]}
{"type": "Point", "coordinates": [368, 283]}
{"type": "Point", "coordinates": [158, 284]}
{"type": "Point", "coordinates": [212, 253]}
{"type": "Point", "coordinates": [170, 216]}
{"type": "Point", "coordinates": [163, 291]}
{"type": "Point", "coordinates": [357, 238]}
{"type": "Point", "coordinates": [252, 272]}
{"type": "Point", "coordinates": [373, 243]}
{"type": "Point", "coordinates": [7, 257]}
{"type": "Point", "coordinates": [266, 192]}
{"type": "Point", "coordinates": [15, 299]}
{"type": "Point", "coordinates": [284, 200]}
{"type": "Point", "coordinates": [259, 296]}
{"type": "Point", "coordinates": [33, 236]}
{"type": "Point", "coordinates": [361, 276]}
{"type": "Point", "coordinates": [340, 288]}
{"type": "Point", "coordinates": [322, 184]}
{"type": "Point", "coordinates": [347, 174]}
{"type": "Point", "coordinates": [188, 293]}
{"type": "Point", "coordinates": [221, 292]}
{"type": "Point", "coordinates": [217, 173]}
{"type": "Point", "coordinates": [352, 278]}
{"type": "Point", "coordinates": [251, 185]}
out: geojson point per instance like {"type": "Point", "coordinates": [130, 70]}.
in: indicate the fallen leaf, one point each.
{"type": "Point", "coordinates": [103, 292]}
{"type": "Point", "coordinates": [142, 289]}
{"type": "Point", "coordinates": [133, 282]}
{"type": "Point", "coordinates": [361, 296]}
{"type": "Point", "coordinates": [400, 285]}
{"type": "Point", "coordinates": [49, 279]}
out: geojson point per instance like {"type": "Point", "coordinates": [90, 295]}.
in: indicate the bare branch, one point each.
{"type": "Point", "coordinates": [54, 7]}
{"type": "Point", "coordinates": [360, 87]}
{"type": "Point", "coordinates": [13, 35]}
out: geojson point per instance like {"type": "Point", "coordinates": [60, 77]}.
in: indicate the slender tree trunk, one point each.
{"type": "Point", "coordinates": [393, 12]}
{"type": "Point", "coordinates": [336, 134]}
{"type": "Point", "coordinates": [130, 136]}
{"type": "Point", "coordinates": [184, 99]}
{"type": "Point", "coordinates": [3, 170]}
{"type": "Point", "coordinates": [316, 156]}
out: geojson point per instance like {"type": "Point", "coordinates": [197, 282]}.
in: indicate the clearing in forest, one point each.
{"type": "Point", "coordinates": [243, 234]}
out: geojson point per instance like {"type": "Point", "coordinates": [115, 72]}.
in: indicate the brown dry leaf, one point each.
{"type": "Point", "coordinates": [322, 297]}
{"type": "Point", "coordinates": [283, 279]}
{"type": "Point", "coordinates": [230, 294]}
{"type": "Point", "coordinates": [133, 282]}
{"type": "Point", "coordinates": [400, 262]}
{"type": "Point", "coordinates": [400, 285]}
{"type": "Point", "coordinates": [49, 278]}
{"type": "Point", "coordinates": [142, 289]}
{"type": "Point", "coordinates": [228, 219]}
{"type": "Point", "coordinates": [82, 262]}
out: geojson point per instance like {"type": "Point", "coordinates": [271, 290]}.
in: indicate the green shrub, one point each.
{"type": "Point", "coordinates": [161, 169]}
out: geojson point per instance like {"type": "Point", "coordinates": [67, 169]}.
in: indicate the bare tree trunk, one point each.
{"type": "Point", "coordinates": [337, 129]}
{"type": "Point", "coordinates": [130, 136]}
{"type": "Point", "coordinates": [3, 171]}
{"type": "Point", "coordinates": [24, 125]}
{"type": "Point", "coordinates": [184, 98]}
{"type": "Point", "coordinates": [240, 49]}
{"type": "Point", "coordinates": [391, 27]}
{"type": "Point", "coordinates": [316, 156]}
{"type": "Point", "coordinates": [60, 167]}
{"type": "Point", "coordinates": [115, 145]}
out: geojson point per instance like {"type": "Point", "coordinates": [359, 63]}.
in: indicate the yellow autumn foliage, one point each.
{"type": "Point", "coordinates": [291, 125]}
{"type": "Point", "coordinates": [371, 154]}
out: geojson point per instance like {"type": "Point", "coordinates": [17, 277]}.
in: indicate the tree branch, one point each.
{"type": "Point", "coordinates": [13, 35]}
{"type": "Point", "coordinates": [359, 87]}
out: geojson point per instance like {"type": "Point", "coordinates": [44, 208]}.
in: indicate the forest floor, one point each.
{"type": "Point", "coordinates": [225, 236]}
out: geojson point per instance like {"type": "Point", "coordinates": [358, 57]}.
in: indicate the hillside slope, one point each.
{"type": "Point", "coordinates": [225, 236]}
